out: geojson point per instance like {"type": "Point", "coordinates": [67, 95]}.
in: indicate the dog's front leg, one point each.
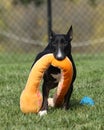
{"type": "Point", "coordinates": [66, 104]}
{"type": "Point", "coordinates": [45, 92]}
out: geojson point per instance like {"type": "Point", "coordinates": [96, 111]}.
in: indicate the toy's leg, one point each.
{"type": "Point", "coordinates": [66, 104]}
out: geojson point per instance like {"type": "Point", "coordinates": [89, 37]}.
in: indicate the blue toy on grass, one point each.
{"type": "Point", "coordinates": [87, 101]}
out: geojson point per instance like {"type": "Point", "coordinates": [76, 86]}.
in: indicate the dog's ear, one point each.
{"type": "Point", "coordinates": [69, 34]}
{"type": "Point", "coordinates": [52, 34]}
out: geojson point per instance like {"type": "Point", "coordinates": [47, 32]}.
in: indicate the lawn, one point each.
{"type": "Point", "coordinates": [14, 70]}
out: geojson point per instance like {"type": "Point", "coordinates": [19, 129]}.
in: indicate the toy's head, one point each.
{"type": "Point", "coordinates": [31, 98]}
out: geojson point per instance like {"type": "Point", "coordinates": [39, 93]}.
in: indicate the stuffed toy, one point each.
{"type": "Point", "coordinates": [31, 97]}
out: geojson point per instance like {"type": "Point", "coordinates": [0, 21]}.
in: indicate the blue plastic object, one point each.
{"type": "Point", "coordinates": [87, 101]}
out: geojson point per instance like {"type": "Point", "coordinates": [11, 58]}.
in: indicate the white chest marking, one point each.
{"type": "Point", "coordinates": [56, 76]}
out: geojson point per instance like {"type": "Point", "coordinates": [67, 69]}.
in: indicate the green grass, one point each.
{"type": "Point", "coordinates": [14, 70]}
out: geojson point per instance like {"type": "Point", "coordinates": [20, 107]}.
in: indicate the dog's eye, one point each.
{"type": "Point", "coordinates": [65, 43]}
{"type": "Point", "coordinates": [54, 43]}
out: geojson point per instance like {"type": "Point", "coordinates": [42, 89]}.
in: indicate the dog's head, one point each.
{"type": "Point", "coordinates": [61, 44]}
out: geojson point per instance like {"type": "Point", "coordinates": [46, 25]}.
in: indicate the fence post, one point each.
{"type": "Point", "coordinates": [49, 17]}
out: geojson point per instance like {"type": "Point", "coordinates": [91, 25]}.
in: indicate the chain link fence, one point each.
{"type": "Point", "coordinates": [23, 24]}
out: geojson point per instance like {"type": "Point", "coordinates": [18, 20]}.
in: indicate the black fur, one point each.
{"type": "Point", "coordinates": [60, 46]}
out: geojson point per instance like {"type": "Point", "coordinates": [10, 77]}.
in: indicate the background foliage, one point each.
{"type": "Point", "coordinates": [23, 24]}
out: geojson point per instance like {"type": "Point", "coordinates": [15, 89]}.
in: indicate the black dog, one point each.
{"type": "Point", "coordinates": [60, 46]}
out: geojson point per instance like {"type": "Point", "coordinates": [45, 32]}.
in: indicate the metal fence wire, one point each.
{"type": "Point", "coordinates": [24, 27]}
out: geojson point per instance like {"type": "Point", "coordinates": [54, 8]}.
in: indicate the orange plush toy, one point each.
{"type": "Point", "coordinates": [31, 97]}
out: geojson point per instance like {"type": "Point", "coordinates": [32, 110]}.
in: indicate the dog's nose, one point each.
{"type": "Point", "coordinates": [59, 55]}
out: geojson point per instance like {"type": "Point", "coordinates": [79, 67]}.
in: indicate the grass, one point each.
{"type": "Point", "coordinates": [14, 70]}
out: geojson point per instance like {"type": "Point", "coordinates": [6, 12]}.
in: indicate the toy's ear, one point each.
{"type": "Point", "coordinates": [69, 34]}
{"type": "Point", "coordinates": [52, 34]}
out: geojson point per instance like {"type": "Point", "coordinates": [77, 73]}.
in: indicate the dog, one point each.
{"type": "Point", "coordinates": [60, 46]}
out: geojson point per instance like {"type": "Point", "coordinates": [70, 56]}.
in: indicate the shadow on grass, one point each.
{"type": "Point", "coordinates": [74, 104]}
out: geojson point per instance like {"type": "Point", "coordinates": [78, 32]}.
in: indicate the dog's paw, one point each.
{"type": "Point", "coordinates": [42, 113]}
{"type": "Point", "coordinates": [50, 102]}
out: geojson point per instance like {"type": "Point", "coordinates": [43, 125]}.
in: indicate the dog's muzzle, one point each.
{"type": "Point", "coordinates": [59, 54]}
